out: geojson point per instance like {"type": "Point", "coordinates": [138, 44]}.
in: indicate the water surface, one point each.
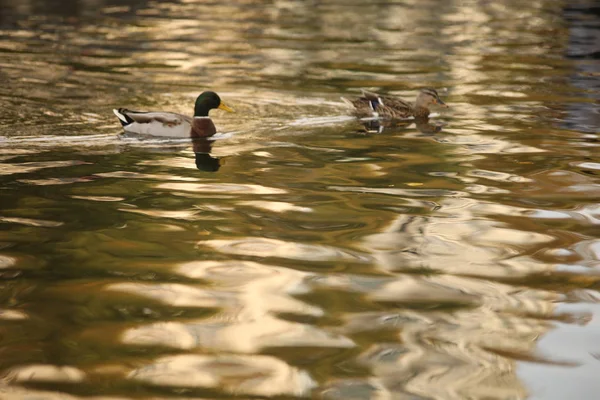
{"type": "Point", "coordinates": [298, 255]}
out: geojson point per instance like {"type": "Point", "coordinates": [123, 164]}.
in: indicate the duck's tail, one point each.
{"type": "Point", "coordinates": [123, 118]}
{"type": "Point", "coordinates": [348, 102]}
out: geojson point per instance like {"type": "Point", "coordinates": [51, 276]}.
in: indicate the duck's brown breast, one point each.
{"type": "Point", "coordinates": [421, 112]}
{"type": "Point", "coordinates": [203, 127]}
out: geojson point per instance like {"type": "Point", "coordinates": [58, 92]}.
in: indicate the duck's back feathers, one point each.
{"type": "Point", "coordinates": [155, 123]}
{"type": "Point", "coordinates": [360, 107]}
{"type": "Point", "coordinates": [394, 107]}
{"type": "Point", "coordinates": [374, 105]}
{"type": "Point", "coordinates": [364, 106]}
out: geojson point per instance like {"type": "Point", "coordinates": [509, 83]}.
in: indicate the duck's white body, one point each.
{"type": "Point", "coordinates": [164, 124]}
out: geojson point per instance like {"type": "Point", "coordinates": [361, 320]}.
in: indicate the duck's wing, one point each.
{"type": "Point", "coordinates": [372, 104]}
{"type": "Point", "coordinates": [155, 123]}
{"type": "Point", "coordinates": [394, 107]}
{"type": "Point", "coordinates": [362, 107]}
{"type": "Point", "coordinates": [372, 96]}
{"type": "Point", "coordinates": [355, 103]}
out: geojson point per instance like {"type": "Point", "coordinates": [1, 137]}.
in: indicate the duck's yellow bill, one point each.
{"type": "Point", "coordinates": [225, 107]}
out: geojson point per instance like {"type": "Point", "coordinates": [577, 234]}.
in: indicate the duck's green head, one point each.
{"type": "Point", "coordinates": [206, 102]}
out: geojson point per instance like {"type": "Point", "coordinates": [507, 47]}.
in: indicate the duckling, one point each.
{"type": "Point", "coordinates": [373, 105]}
{"type": "Point", "coordinates": [168, 124]}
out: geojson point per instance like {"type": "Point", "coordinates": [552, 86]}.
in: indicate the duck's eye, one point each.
{"type": "Point", "coordinates": [374, 104]}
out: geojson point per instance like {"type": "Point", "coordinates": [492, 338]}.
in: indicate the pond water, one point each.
{"type": "Point", "coordinates": [304, 257]}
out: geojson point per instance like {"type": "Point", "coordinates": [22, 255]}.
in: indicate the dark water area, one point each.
{"type": "Point", "coordinates": [300, 254]}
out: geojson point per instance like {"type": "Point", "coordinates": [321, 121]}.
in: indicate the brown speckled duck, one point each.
{"type": "Point", "coordinates": [374, 105]}
{"type": "Point", "coordinates": [168, 124]}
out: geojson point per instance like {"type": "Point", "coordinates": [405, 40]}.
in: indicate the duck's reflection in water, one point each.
{"type": "Point", "coordinates": [422, 124]}
{"type": "Point", "coordinates": [204, 161]}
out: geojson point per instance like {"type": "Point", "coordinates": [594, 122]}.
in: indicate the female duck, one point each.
{"type": "Point", "coordinates": [374, 105]}
{"type": "Point", "coordinates": [173, 125]}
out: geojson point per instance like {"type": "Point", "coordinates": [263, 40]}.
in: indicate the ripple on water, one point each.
{"type": "Point", "coordinates": [44, 373]}
{"type": "Point", "coordinates": [410, 290]}
{"type": "Point", "coordinates": [497, 176]}
{"type": "Point", "coordinates": [585, 214]}
{"type": "Point", "coordinates": [99, 198]}
{"type": "Point", "coordinates": [263, 247]}
{"type": "Point", "coordinates": [477, 144]}
{"type": "Point", "coordinates": [26, 167]}
{"type": "Point", "coordinates": [7, 261]}
{"type": "Point", "coordinates": [248, 321]}
{"type": "Point", "coordinates": [562, 184]}
{"type": "Point", "coordinates": [175, 294]}
{"type": "Point", "coordinates": [275, 206]}
{"type": "Point", "coordinates": [31, 222]}
{"type": "Point", "coordinates": [44, 142]}
{"type": "Point", "coordinates": [259, 289]}
{"type": "Point", "coordinates": [233, 332]}
{"type": "Point", "coordinates": [187, 215]}
{"type": "Point", "coordinates": [453, 351]}
{"type": "Point", "coordinates": [237, 273]}
{"type": "Point", "coordinates": [350, 389]}
{"type": "Point", "coordinates": [589, 250]}
{"type": "Point", "coordinates": [137, 175]}
{"type": "Point", "coordinates": [12, 315]}
{"type": "Point", "coordinates": [56, 181]}
{"type": "Point", "coordinates": [246, 375]}
{"type": "Point", "coordinates": [230, 188]}
{"type": "Point", "coordinates": [494, 236]}
{"type": "Point", "coordinates": [401, 192]}
{"type": "Point", "coordinates": [588, 165]}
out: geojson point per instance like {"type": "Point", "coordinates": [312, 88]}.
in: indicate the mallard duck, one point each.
{"type": "Point", "coordinates": [167, 124]}
{"type": "Point", "coordinates": [374, 105]}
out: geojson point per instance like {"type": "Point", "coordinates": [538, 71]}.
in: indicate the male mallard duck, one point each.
{"type": "Point", "coordinates": [374, 105]}
{"type": "Point", "coordinates": [171, 124]}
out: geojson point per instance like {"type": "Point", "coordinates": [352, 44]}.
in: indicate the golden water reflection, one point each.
{"type": "Point", "coordinates": [247, 375]}
{"type": "Point", "coordinates": [300, 253]}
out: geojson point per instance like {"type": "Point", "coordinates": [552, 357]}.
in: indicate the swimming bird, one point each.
{"type": "Point", "coordinates": [374, 105]}
{"type": "Point", "coordinates": [168, 124]}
